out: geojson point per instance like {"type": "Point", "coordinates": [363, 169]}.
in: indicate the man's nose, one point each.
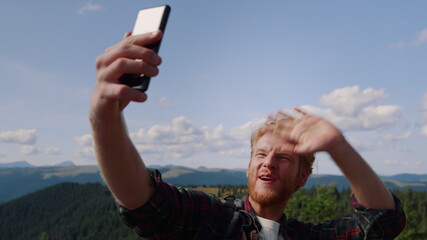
{"type": "Point", "coordinates": [270, 161]}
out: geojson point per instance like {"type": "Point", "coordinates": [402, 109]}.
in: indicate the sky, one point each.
{"type": "Point", "coordinates": [226, 66]}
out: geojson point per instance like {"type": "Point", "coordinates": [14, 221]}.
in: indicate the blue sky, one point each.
{"type": "Point", "coordinates": [226, 65]}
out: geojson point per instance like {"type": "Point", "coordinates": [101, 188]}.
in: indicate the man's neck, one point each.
{"type": "Point", "coordinates": [272, 211]}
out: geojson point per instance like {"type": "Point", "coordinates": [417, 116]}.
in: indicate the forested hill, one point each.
{"type": "Point", "coordinates": [16, 182]}
{"type": "Point", "coordinates": [65, 211]}
{"type": "Point", "coordinates": [70, 211]}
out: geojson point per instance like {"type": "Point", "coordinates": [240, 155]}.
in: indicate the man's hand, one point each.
{"type": "Point", "coordinates": [110, 97]}
{"type": "Point", "coordinates": [307, 133]}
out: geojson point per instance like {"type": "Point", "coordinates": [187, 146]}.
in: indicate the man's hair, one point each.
{"type": "Point", "coordinates": [306, 160]}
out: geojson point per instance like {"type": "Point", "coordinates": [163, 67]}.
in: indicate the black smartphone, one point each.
{"type": "Point", "coordinates": [148, 20]}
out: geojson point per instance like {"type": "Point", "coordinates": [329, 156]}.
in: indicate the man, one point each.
{"type": "Point", "coordinates": [281, 159]}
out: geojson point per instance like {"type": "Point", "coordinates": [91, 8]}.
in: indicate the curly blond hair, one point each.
{"type": "Point", "coordinates": [306, 160]}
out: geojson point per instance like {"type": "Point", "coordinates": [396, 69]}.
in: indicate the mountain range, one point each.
{"type": "Point", "coordinates": [21, 178]}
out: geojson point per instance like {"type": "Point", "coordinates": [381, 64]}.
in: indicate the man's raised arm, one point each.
{"type": "Point", "coordinates": [121, 166]}
{"type": "Point", "coordinates": [312, 134]}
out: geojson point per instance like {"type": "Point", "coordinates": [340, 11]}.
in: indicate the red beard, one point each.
{"type": "Point", "coordinates": [267, 197]}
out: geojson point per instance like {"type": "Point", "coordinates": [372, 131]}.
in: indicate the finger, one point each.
{"type": "Point", "coordinates": [268, 124]}
{"type": "Point", "coordinates": [284, 127]}
{"type": "Point", "coordinates": [127, 34]}
{"type": "Point", "coordinates": [302, 148]}
{"type": "Point", "coordinates": [126, 66]}
{"type": "Point", "coordinates": [288, 147]}
{"type": "Point", "coordinates": [123, 93]}
{"type": "Point", "coordinates": [145, 39]}
{"type": "Point", "coordinates": [297, 133]}
{"type": "Point", "coordinates": [301, 112]}
{"type": "Point", "coordinates": [298, 109]}
{"type": "Point", "coordinates": [283, 114]}
{"type": "Point", "coordinates": [270, 118]}
{"type": "Point", "coordinates": [129, 51]}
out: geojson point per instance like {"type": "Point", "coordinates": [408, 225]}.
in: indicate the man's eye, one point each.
{"type": "Point", "coordinates": [261, 154]}
{"type": "Point", "coordinates": [283, 157]}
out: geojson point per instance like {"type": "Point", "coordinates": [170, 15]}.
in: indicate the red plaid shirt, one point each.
{"type": "Point", "coordinates": [184, 214]}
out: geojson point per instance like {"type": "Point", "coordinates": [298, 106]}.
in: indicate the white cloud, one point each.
{"type": "Point", "coordinates": [244, 131]}
{"type": "Point", "coordinates": [341, 121]}
{"type": "Point", "coordinates": [86, 152]}
{"type": "Point", "coordinates": [368, 118]}
{"type": "Point", "coordinates": [390, 137]}
{"type": "Point", "coordinates": [424, 131]}
{"type": "Point", "coordinates": [22, 136]}
{"type": "Point", "coordinates": [421, 37]}
{"type": "Point", "coordinates": [424, 118]}
{"type": "Point", "coordinates": [424, 115]}
{"type": "Point", "coordinates": [240, 153]}
{"type": "Point", "coordinates": [164, 102]}
{"type": "Point", "coordinates": [181, 131]}
{"type": "Point", "coordinates": [3, 154]}
{"type": "Point", "coordinates": [53, 150]}
{"type": "Point", "coordinates": [29, 150]}
{"type": "Point", "coordinates": [377, 117]}
{"type": "Point", "coordinates": [424, 101]}
{"type": "Point", "coordinates": [366, 145]}
{"type": "Point", "coordinates": [398, 45]}
{"type": "Point", "coordinates": [184, 140]}
{"type": "Point", "coordinates": [85, 140]}
{"type": "Point", "coordinates": [86, 143]}
{"type": "Point", "coordinates": [390, 161]}
{"type": "Point", "coordinates": [89, 7]}
{"type": "Point", "coordinates": [349, 100]}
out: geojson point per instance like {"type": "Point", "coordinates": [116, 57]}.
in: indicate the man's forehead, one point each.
{"type": "Point", "coordinates": [268, 142]}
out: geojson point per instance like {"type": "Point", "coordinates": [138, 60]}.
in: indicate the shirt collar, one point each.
{"type": "Point", "coordinates": [248, 207]}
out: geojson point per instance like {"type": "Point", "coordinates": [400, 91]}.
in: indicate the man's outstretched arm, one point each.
{"type": "Point", "coordinates": [121, 166]}
{"type": "Point", "coordinates": [312, 134]}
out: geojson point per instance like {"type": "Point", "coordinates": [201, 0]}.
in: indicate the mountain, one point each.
{"type": "Point", "coordinates": [16, 182]}
{"type": "Point", "coordinates": [64, 211]}
{"type": "Point", "coordinates": [409, 177]}
{"type": "Point", "coordinates": [20, 164]}
{"type": "Point", "coordinates": [203, 176]}
{"type": "Point", "coordinates": [25, 164]}
{"type": "Point", "coordinates": [69, 211]}
{"type": "Point", "coordinates": [64, 164]}
{"type": "Point", "coordinates": [19, 181]}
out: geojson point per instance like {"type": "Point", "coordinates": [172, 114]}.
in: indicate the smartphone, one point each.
{"type": "Point", "coordinates": [147, 20]}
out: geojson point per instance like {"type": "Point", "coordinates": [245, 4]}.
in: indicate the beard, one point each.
{"type": "Point", "coordinates": [267, 196]}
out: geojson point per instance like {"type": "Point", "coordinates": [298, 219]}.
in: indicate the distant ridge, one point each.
{"type": "Point", "coordinates": [20, 164]}
{"type": "Point", "coordinates": [21, 178]}
{"type": "Point", "coordinates": [25, 164]}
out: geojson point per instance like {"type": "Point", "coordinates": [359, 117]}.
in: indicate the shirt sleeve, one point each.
{"type": "Point", "coordinates": [380, 224]}
{"type": "Point", "coordinates": [177, 213]}
{"type": "Point", "coordinates": [362, 224]}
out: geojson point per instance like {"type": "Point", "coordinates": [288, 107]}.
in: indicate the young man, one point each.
{"type": "Point", "coordinates": [281, 159]}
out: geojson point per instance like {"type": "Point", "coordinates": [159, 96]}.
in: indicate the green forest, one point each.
{"type": "Point", "coordinates": [73, 211]}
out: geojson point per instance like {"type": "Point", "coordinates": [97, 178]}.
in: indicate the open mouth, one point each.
{"type": "Point", "coordinates": [266, 178]}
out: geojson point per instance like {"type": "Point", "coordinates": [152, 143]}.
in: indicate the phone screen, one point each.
{"type": "Point", "coordinates": [148, 20]}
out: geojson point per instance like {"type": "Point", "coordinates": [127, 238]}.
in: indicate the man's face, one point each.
{"type": "Point", "coordinates": [273, 172]}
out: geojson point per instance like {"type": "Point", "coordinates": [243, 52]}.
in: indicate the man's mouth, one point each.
{"type": "Point", "coordinates": [266, 178]}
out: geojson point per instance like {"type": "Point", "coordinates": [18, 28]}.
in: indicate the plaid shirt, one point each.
{"type": "Point", "coordinates": [185, 214]}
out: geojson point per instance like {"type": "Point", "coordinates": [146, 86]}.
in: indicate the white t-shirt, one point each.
{"type": "Point", "coordinates": [269, 231]}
